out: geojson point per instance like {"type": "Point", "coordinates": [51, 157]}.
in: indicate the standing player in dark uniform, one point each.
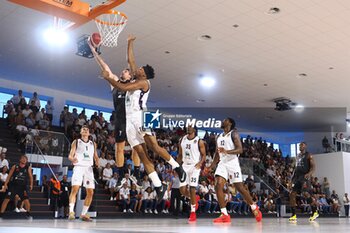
{"type": "Point", "coordinates": [17, 182]}
{"type": "Point", "coordinates": [305, 167]}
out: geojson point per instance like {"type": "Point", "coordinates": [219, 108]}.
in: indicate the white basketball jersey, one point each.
{"type": "Point", "coordinates": [190, 150]}
{"type": "Point", "coordinates": [136, 101]}
{"type": "Point", "coordinates": [85, 153]}
{"type": "Point", "coordinates": [227, 143]}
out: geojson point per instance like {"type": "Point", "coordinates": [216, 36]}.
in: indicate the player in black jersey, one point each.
{"type": "Point", "coordinates": [305, 167]}
{"type": "Point", "coordinates": [17, 182]}
{"type": "Point", "coordinates": [120, 122]}
{"type": "Point", "coordinates": [120, 128]}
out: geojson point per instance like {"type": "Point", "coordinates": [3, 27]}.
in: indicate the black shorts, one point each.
{"type": "Point", "coordinates": [20, 190]}
{"type": "Point", "coordinates": [300, 184]}
{"type": "Point", "coordinates": [120, 129]}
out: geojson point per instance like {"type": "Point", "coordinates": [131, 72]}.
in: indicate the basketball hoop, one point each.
{"type": "Point", "coordinates": [110, 25]}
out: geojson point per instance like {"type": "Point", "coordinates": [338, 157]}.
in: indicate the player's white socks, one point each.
{"type": "Point", "coordinates": [173, 163]}
{"type": "Point", "coordinates": [85, 210]}
{"type": "Point", "coordinates": [224, 211]}
{"type": "Point", "coordinates": [155, 179]}
{"type": "Point", "coordinates": [253, 206]}
{"type": "Point", "coordinates": [193, 208]}
{"type": "Point", "coordinates": [71, 207]}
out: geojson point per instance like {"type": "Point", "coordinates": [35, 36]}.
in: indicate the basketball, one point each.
{"type": "Point", "coordinates": [95, 39]}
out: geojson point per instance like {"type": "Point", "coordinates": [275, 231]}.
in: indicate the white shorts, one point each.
{"type": "Point", "coordinates": [192, 175]}
{"type": "Point", "coordinates": [83, 175]}
{"type": "Point", "coordinates": [135, 131]}
{"type": "Point", "coordinates": [230, 171]}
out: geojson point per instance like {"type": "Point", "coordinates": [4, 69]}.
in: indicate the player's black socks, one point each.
{"type": "Point", "coordinates": [137, 174]}
{"type": "Point", "coordinates": [293, 210]}
{"type": "Point", "coordinates": [121, 175]}
{"type": "Point", "coordinates": [314, 209]}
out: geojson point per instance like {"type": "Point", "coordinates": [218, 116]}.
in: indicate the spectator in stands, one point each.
{"type": "Point", "coordinates": [210, 203]}
{"type": "Point", "coordinates": [174, 152]}
{"type": "Point", "coordinates": [335, 202]}
{"type": "Point", "coordinates": [110, 160]}
{"type": "Point", "coordinates": [81, 120]}
{"type": "Point", "coordinates": [49, 111]}
{"type": "Point", "coordinates": [16, 99]}
{"type": "Point", "coordinates": [107, 174]}
{"type": "Point", "coordinates": [149, 200]}
{"type": "Point", "coordinates": [94, 116]}
{"type": "Point", "coordinates": [102, 164]}
{"type": "Point", "coordinates": [39, 115]}
{"type": "Point", "coordinates": [325, 144]}
{"type": "Point", "coordinates": [33, 107]}
{"type": "Point", "coordinates": [145, 182]}
{"type": "Point", "coordinates": [113, 189]}
{"type": "Point", "coordinates": [30, 121]}
{"type": "Point", "coordinates": [26, 111]}
{"type": "Point", "coordinates": [124, 196]}
{"type": "Point", "coordinates": [346, 202]}
{"type": "Point", "coordinates": [44, 123]}
{"type": "Point", "coordinates": [75, 114]}
{"type": "Point", "coordinates": [324, 205]}
{"type": "Point", "coordinates": [175, 195]}
{"type": "Point", "coordinates": [22, 105]}
{"type": "Point", "coordinates": [250, 183]}
{"type": "Point", "coordinates": [3, 161]}
{"type": "Point", "coordinates": [36, 100]}
{"type": "Point", "coordinates": [55, 191]}
{"type": "Point", "coordinates": [3, 175]}
{"type": "Point", "coordinates": [68, 120]}
{"type": "Point", "coordinates": [64, 197]}
{"type": "Point", "coordinates": [326, 187]}
{"type": "Point", "coordinates": [134, 199]}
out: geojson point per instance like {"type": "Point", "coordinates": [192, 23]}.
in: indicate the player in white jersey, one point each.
{"type": "Point", "coordinates": [229, 147]}
{"type": "Point", "coordinates": [82, 155]}
{"type": "Point", "coordinates": [192, 155]}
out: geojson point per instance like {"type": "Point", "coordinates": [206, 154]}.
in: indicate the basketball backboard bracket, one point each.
{"type": "Point", "coordinates": [77, 12]}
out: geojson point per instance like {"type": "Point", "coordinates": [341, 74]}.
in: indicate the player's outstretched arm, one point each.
{"type": "Point", "coordinates": [130, 54]}
{"type": "Point", "coordinates": [98, 59]}
{"type": "Point", "coordinates": [137, 85]}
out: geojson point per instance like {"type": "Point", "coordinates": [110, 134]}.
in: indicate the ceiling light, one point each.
{"type": "Point", "coordinates": [235, 25]}
{"type": "Point", "coordinates": [273, 11]}
{"type": "Point", "coordinates": [204, 37]}
{"type": "Point", "coordinates": [167, 52]}
{"type": "Point", "coordinates": [302, 75]}
{"type": "Point", "coordinates": [207, 82]}
{"type": "Point", "coordinates": [55, 37]}
{"type": "Point", "coordinates": [265, 84]}
{"type": "Point", "coordinates": [331, 68]}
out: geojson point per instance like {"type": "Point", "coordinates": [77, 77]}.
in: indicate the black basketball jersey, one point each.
{"type": "Point", "coordinates": [302, 164]}
{"type": "Point", "coordinates": [20, 175]}
{"type": "Point", "coordinates": [119, 102]}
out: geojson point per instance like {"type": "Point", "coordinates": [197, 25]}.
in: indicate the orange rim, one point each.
{"type": "Point", "coordinates": [113, 12]}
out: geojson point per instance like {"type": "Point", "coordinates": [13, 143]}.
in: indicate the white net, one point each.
{"type": "Point", "coordinates": [110, 25]}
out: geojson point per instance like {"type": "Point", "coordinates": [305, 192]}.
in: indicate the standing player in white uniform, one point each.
{"type": "Point", "coordinates": [135, 102]}
{"type": "Point", "coordinates": [229, 147]}
{"type": "Point", "coordinates": [82, 154]}
{"type": "Point", "coordinates": [192, 155]}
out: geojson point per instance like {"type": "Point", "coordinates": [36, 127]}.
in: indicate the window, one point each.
{"type": "Point", "coordinates": [79, 109]}
{"type": "Point", "coordinates": [276, 146]}
{"type": "Point", "coordinates": [293, 151]}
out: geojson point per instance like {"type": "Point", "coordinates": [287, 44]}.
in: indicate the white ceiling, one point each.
{"type": "Point", "coordinates": [307, 36]}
